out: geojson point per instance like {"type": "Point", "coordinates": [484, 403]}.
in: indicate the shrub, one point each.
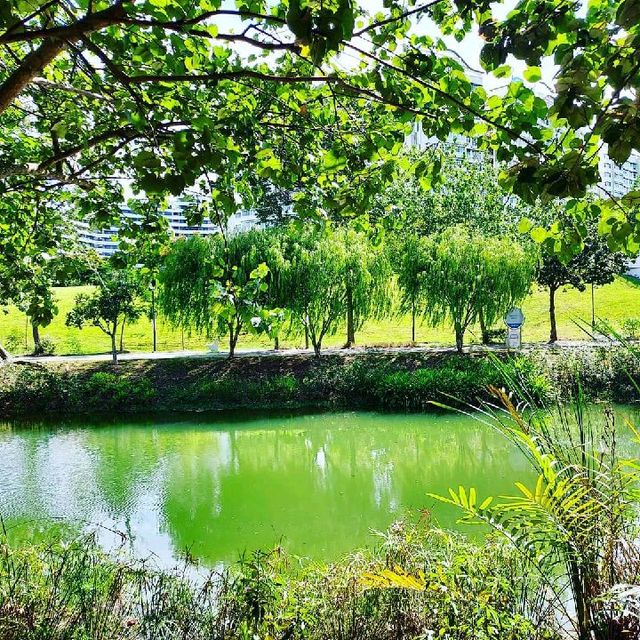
{"type": "Point", "coordinates": [108, 390]}
{"type": "Point", "coordinates": [14, 341]}
{"type": "Point", "coordinates": [631, 328]}
{"type": "Point", "coordinates": [73, 345]}
{"type": "Point", "coordinates": [576, 525]}
{"type": "Point", "coordinates": [46, 347]}
{"type": "Point", "coordinates": [496, 336]}
{"type": "Point", "coordinates": [75, 590]}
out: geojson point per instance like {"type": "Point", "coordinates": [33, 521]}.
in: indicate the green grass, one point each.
{"type": "Point", "coordinates": [615, 303]}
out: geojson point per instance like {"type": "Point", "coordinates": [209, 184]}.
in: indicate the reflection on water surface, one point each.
{"type": "Point", "coordinates": [219, 485]}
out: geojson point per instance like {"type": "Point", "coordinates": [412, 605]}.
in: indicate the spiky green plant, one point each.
{"type": "Point", "coordinates": [576, 526]}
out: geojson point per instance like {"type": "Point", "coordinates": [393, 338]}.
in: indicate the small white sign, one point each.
{"type": "Point", "coordinates": [514, 337]}
{"type": "Point", "coordinates": [515, 318]}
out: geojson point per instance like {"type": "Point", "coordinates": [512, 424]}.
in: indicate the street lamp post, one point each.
{"type": "Point", "coordinates": [152, 287]}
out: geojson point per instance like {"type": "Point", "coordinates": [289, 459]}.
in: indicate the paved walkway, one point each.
{"type": "Point", "coordinates": [244, 353]}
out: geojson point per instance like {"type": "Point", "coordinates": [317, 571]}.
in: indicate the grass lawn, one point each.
{"type": "Point", "coordinates": [615, 303]}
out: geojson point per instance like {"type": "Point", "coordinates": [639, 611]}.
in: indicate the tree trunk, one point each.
{"type": "Point", "coordinates": [124, 322]}
{"type": "Point", "coordinates": [4, 354]}
{"type": "Point", "coordinates": [459, 339]}
{"type": "Point", "coordinates": [35, 332]}
{"type": "Point", "coordinates": [351, 330]}
{"type": "Point", "coordinates": [483, 329]}
{"type": "Point", "coordinates": [306, 336]}
{"type": "Point", "coordinates": [553, 335]}
{"type": "Point", "coordinates": [276, 343]}
{"type": "Point", "coordinates": [114, 347]}
{"type": "Point", "coordinates": [232, 344]}
{"type": "Point", "coordinates": [413, 321]}
{"type": "Point", "coordinates": [29, 68]}
{"type": "Point", "coordinates": [316, 348]}
{"type": "Point", "coordinates": [234, 332]}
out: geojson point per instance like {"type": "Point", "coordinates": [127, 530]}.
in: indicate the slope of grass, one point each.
{"type": "Point", "coordinates": [615, 303]}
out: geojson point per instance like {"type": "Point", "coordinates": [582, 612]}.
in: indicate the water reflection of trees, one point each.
{"type": "Point", "coordinates": [320, 481]}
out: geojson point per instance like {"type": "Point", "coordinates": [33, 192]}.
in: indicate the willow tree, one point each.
{"type": "Point", "coordinates": [333, 278]}
{"type": "Point", "coordinates": [367, 281]}
{"type": "Point", "coordinates": [315, 281]}
{"type": "Point", "coordinates": [467, 276]}
{"type": "Point", "coordinates": [410, 265]}
{"type": "Point", "coordinates": [217, 285]}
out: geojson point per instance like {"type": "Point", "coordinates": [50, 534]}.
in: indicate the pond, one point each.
{"type": "Point", "coordinates": [216, 486]}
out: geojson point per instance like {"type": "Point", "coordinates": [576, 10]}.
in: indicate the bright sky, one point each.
{"type": "Point", "coordinates": [468, 49]}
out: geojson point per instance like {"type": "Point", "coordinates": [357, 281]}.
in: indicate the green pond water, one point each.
{"type": "Point", "coordinates": [219, 485]}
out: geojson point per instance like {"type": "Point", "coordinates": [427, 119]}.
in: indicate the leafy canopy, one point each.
{"type": "Point", "coordinates": [468, 277]}
{"type": "Point", "coordinates": [165, 92]}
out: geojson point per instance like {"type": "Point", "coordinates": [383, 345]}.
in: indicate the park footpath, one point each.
{"type": "Point", "coordinates": [425, 349]}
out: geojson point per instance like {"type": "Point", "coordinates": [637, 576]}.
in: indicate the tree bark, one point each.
{"type": "Point", "coordinates": [316, 348]}
{"type": "Point", "coordinates": [114, 347]}
{"type": "Point", "coordinates": [553, 335]}
{"type": "Point", "coordinates": [232, 344]}
{"type": "Point", "coordinates": [483, 329]}
{"type": "Point", "coordinates": [351, 330]}
{"type": "Point", "coordinates": [124, 322]}
{"type": "Point", "coordinates": [459, 339]}
{"type": "Point", "coordinates": [4, 354]}
{"type": "Point", "coordinates": [36, 61]}
{"type": "Point", "coordinates": [35, 332]}
{"type": "Point", "coordinates": [413, 322]}
{"type": "Point", "coordinates": [234, 332]}
{"type": "Point", "coordinates": [306, 337]}
{"type": "Point", "coordinates": [29, 68]}
{"type": "Point", "coordinates": [276, 343]}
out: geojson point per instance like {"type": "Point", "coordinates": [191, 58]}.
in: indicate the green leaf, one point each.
{"type": "Point", "coordinates": [525, 225]}
{"type": "Point", "coordinates": [539, 234]}
{"type": "Point", "coordinates": [532, 74]}
{"type": "Point", "coordinates": [259, 272]}
{"type": "Point", "coordinates": [332, 163]}
{"type": "Point", "coordinates": [503, 71]}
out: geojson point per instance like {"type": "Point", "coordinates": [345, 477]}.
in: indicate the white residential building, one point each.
{"type": "Point", "coordinates": [105, 241]}
{"type": "Point", "coordinates": [616, 180]}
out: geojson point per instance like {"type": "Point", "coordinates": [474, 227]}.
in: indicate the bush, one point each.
{"type": "Point", "coordinates": [46, 347]}
{"type": "Point", "coordinates": [73, 345]}
{"type": "Point", "coordinates": [14, 341]}
{"type": "Point", "coordinates": [457, 380]}
{"type": "Point", "coordinates": [108, 390]}
{"type": "Point", "coordinates": [408, 382]}
{"type": "Point", "coordinates": [76, 591]}
{"type": "Point", "coordinates": [496, 336]}
{"type": "Point", "coordinates": [631, 328]}
{"type": "Point", "coordinates": [598, 373]}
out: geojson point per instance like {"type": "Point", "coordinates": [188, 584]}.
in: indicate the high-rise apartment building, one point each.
{"type": "Point", "coordinates": [105, 241]}
{"type": "Point", "coordinates": [616, 180]}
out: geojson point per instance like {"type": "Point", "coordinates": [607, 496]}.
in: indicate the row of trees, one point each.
{"type": "Point", "coordinates": [294, 279]}
{"type": "Point", "coordinates": [469, 193]}
{"type": "Point", "coordinates": [453, 254]}
{"type": "Point", "coordinates": [464, 278]}
{"type": "Point", "coordinates": [272, 281]}
{"type": "Point", "coordinates": [307, 280]}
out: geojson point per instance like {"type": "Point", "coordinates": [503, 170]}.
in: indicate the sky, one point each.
{"type": "Point", "coordinates": [469, 49]}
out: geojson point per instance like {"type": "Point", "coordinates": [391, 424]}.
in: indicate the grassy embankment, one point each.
{"type": "Point", "coordinates": [615, 302]}
{"type": "Point", "coordinates": [377, 380]}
